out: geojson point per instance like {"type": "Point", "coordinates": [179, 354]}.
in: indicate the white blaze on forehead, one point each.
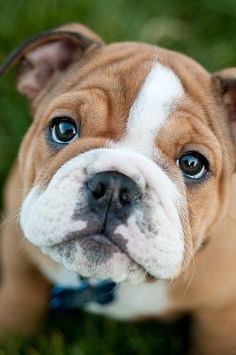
{"type": "Point", "coordinates": [158, 96]}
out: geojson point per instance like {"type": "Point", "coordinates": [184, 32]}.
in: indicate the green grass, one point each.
{"type": "Point", "coordinates": [203, 29]}
{"type": "Point", "coordinates": [82, 334]}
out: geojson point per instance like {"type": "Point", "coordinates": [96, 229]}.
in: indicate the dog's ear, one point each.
{"type": "Point", "coordinates": [49, 52]}
{"type": "Point", "coordinates": [225, 83]}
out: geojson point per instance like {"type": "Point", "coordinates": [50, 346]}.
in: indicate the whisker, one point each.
{"type": "Point", "coordinates": [10, 218]}
{"type": "Point", "coordinates": [17, 226]}
{"type": "Point", "coordinates": [20, 244]}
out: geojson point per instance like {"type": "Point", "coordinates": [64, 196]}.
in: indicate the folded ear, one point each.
{"type": "Point", "coordinates": [225, 82]}
{"type": "Point", "coordinates": [49, 52]}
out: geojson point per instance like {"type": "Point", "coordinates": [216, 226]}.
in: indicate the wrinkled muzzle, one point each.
{"type": "Point", "coordinates": [109, 214]}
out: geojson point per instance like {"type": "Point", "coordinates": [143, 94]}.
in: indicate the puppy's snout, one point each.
{"type": "Point", "coordinates": [112, 191]}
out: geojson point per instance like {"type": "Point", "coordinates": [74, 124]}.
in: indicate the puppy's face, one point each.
{"type": "Point", "coordinates": [128, 159]}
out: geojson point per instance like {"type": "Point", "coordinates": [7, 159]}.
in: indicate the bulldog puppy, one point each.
{"type": "Point", "coordinates": [126, 172]}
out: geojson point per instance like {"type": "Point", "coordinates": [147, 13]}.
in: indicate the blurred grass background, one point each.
{"type": "Point", "coordinates": [203, 29]}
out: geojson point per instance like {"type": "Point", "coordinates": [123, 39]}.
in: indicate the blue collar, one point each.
{"type": "Point", "coordinates": [88, 291]}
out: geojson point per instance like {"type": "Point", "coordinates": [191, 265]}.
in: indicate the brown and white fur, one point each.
{"type": "Point", "coordinates": [139, 107]}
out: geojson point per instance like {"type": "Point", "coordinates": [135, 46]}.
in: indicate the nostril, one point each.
{"type": "Point", "coordinates": [98, 191]}
{"type": "Point", "coordinates": [125, 197]}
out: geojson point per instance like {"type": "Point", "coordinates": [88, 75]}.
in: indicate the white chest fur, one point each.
{"type": "Point", "coordinates": [133, 301]}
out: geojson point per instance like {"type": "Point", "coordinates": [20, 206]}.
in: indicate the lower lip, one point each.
{"type": "Point", "coordinates": [102, 239]}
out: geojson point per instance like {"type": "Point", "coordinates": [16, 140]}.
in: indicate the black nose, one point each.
{"type": "Point", "coordinates": [112, 191]}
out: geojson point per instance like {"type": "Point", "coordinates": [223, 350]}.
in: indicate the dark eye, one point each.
{"type": "Point", "coordinates": [193, 165]}
{"type": "Point", "coordinates": [63, 130]}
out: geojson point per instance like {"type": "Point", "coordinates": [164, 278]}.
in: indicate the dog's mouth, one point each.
{"type": "Point", "coordinates": [95, 241]}
{"type": "Point", "coordinates": [94, 244]}
{"type": "Point", "coordinates": [98, 248]}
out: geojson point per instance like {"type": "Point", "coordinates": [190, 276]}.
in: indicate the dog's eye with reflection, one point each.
{"type": "Point", "coordinates": [193, 165]}
{"type": "Point", "coordinates": [63, 130]}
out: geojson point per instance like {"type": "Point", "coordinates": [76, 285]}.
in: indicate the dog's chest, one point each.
{"type": "Point", "coordinates": [120, 301]}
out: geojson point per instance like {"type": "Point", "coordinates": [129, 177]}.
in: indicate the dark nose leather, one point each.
{"type": "Point", "coordinates": [112, 192]}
